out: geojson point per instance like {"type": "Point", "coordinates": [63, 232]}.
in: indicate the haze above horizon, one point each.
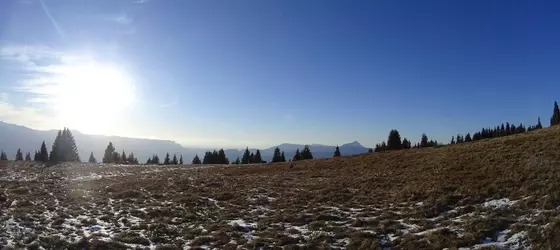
{"type": "Point", "coordinates": [253, 73]}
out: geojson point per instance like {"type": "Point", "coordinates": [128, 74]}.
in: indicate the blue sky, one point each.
{"type": "Point", "coordinates": [261, 73]}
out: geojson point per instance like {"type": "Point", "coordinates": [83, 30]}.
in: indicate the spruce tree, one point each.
{"type": "Point", "coordinates": [116, 158]}
{"type": "Point", "coordinates": [181, 160]}
{"type": "Point", "coordinates": [394, 140]}
{"type": "Point", "coordinates": [370, 150]}
{"type": "Point", "coordinates": [56, 147]}
{"type": "Point", "coordinates": [196, 160]}
{"type": "Point", "coordinates": [92, 158]}
{"type": "Point", "coordinates": [246, 157]}
{"type": "Point", "coordinates": [297, 156]}
{"type": "Point", "coordinates": [175, 161]}
{"type": "Point", "coordinates": [222, 158]}
{"type": "Point", "coordinates": [555, 119]}
{"type": "Point", "coordinates": [508, 129]}
{"type": "Point", "coordinates": [3, 156]}
{"type": "Point", "coordinates": [257, 158]}
{"type": "Point", "coordinates": [36, 158]}
{"type": "Point", "coordinates": [468, 137]}
{"type": "Point", "coordinates": [108, 156]}
{"type": "Point", "coordinates": [167, 160]}
{"type": "Point", "coordinates": [306, 153]}
{"type": "Point", "coordinates": [43, 153]}
{"type": "Point", "coordinates": [424, 141]}
{"type": "Point", "coordinates": [251, 158]}
{"type": "Point", "coordinates": [124, 159]}
{"type": "Point", "coordinates": [282, 157]}
{"type": "Point", "coordinates": [19, 155]}
{"type": "Point", "coordinates": [336, 152]}
{"type": "Point", "coordinates": [539, 124]}
{"type": "Point", "coordinates": [276, 157]}
{"type": "Point", "coordinates": [155, 159]}
{"type": "Point", "coordinates": [452, 140]}
{"type": "Point", "coordinates": [149, 161]}
{"type": "Point", "coordinates": [28, 156]}
{"type": "Point", "coordinates": [237, 161]}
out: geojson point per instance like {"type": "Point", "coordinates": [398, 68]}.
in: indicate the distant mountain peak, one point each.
{"type": "Point", "coordinates": [353, 144]}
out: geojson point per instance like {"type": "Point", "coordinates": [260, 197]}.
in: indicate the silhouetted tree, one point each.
{"type": "Point", "coordinates": [222, 158]}
{"type": "Point", "coordinates": [246, 157]}
{"type": "Point", "coordinates": [277, 157]}
{"type": "Point", "coordinates": [19, 155]}
{"type": "Point", "coordinates": [149, 161]}
{"type": "Point", "coordinates": [306, 153]}
{"type": "Point", "coordinates": [283, 157]}
{"type": "Point", "coordinates": [116, 158]}
{"type": "Point", "coordinates": [406, 144]}
{"type": "Point", "coordinates": [3, 156]}
{"type": "Point", "coordinates": [196, 160]}
{"type": "Point", "coordinates": [43, 153]}
{"type": "Point", "coordinates": [539, 124]}
{"type": "Point", "coordinates": [92, 158]}
{"type": "Point", "coordinates": [28, 156]}
{"type": "Point", "coordinates": [555, 119]}
{"type": "Point", "coordinates": [424, 141]}
{"type": "Point", "coordinates": [64, 147]}
{"type": "Point", "coordinates": [370, 150]}
{"type": "Point", "coordinates": [452, 140]}
{"type": "Point", "coordinates": [175, 161]}
{"type": "Point", "coordinates": [257, 158]}
{"type": "Point", "coordinates": [297, 156]}
{"type": "Point", "coordinates": [468, 137]}
{"type": "Point", "coordinates": [394, 140]}
{"type": "Point", "coordinates": [336, 152]}
{"type": "Point", "coordinates": [108, 156]}
{"type": "Point", "coordinates": [155, 159]}
{"type": "Point", "coordinates": [181, 160]}
{"type": "Point", "coordinates": [36, 157]}
{"type": "Point", "coordinates": [166, 160]}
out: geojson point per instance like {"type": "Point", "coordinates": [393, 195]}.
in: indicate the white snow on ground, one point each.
{"type": "Point", "coordinates": [500, 203]}
{"type": "Point", "coordinates": [513, 242]}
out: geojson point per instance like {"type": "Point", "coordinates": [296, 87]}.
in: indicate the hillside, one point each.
{"type": "Point", "coordinates": [501, 193]}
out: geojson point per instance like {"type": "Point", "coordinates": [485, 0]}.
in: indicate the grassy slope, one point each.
{"type": "Point", "coordinates": [410, 199]}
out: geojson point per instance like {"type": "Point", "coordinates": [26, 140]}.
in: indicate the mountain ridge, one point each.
{"type": "Point", "coordinates": [14, 136]}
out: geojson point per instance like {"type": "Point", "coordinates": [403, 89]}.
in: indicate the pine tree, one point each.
{"type": "Point", "coordinates": [181, 160]}
{"type": "Point", "coordinates": [222, 158]}
{"type": "Point", "coordinates": [468, 137]}
{"type": "Point", "coordinates": [155, 159]}
{"type": "Point", "coordinates": [130, 158]}
{"type": "Point", "coordinates": [166, 160]}
{"type": "Point", "coordinates": [258, 157]}
{"type": "Point", "coordinates": [370, 150]}
{"type": "Point", "coordinates": [237, 161]}
{"type": "Point", "coordinates": [28, 156]}
{"type": "Point", "coordinates": [246, 157]}
{"type": "Point", "coordinates": [394, 140]}
{"type": "Point", "coordinates": [452, 140]}
{"type": "Point", "coordinates": [276, 157]}
{"type": "Point", "coordinates": [92, 158]}
{"type": "Point", "coordinates": [336, 152]}
{"type": "Point", "coordinates": [3, 156]}
{"type": "Point", "coordinates": [252, 158]}
{"type": "Point", "coordinates": [43, 153]}
{"type": "Point", "coordinates": [508, 129]}
{"type": "Point", "coordinates": [108, 156]}
{"type": "Point", "coordinates": [282, 157]}
{"type": "Point", "coordinates": [123, 159]}
{"type": "Point", "coordinates": [116, 158]}
{"type": "Point", "coordinates": [424, 141]}
{"type": "Point", "coordinates": [297, 156]}
{"type": "Point", "coordinates": [36, 158]}
{"type": "Point", "coordinates": [539, 124]}
{"type": "Point", "coordinates": [555, 119]}
{"type": "Point", "coordinates": [306, 153]}
{"type": "Point", "coordinates": [149, 161]}
{"type": "Point", "coordinates": [19, 155]}
{"type": "Point", "coordinates": [196, 160]}
{"type": "Point", "coordinates": [175, 161]}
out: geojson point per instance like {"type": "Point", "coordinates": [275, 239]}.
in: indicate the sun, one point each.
{"type": "Point", "coordinates": [92, 97]}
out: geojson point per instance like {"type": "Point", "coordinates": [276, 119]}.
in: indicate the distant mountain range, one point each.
{"type": "Point", "coordinates": [14, 136]}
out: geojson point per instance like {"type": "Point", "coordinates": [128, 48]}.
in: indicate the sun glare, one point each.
{"type": "Point", "coordinates": [91, 97]}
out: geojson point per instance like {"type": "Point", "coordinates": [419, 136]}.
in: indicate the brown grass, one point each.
{"type": "Point", "coordinates": [356, 201]}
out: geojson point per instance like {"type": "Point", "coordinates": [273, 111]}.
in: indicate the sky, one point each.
{"type": "Point", "coordinates": [260, 73]}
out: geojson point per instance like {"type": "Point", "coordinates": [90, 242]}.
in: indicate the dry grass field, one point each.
{"type": "Point", "coordinates": [493, 194]}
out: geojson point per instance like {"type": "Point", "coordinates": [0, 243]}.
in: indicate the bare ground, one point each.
{"type": "Point", "coordinates": [491, 194]}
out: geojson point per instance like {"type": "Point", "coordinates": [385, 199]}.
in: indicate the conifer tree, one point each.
{"type": "Point", "coordinates": [251, 158]}
{"type": "Point", "coordinates": [28, 156]}
{"type": "Point", "coordinates": [370, 150]}
{"type": "Point", "coordinates": [43, 153]}
{"type": "Point", "coordinates": [116, 158]}
{"type": "Point", "coordinates": [181, 160]}
{"type": "Point", "coordinates": [257, 158]}
{"type": "Point", "coordinates": [108, 156]}
{"type": "Point", "coordinates": [406, 144]}
{"type": "Point", "coordinates": [175, 161]}
{"type": "Point", "coordinates": [246, 157]}
{"type": "Point", "coordinates": [336, 152]}
{"type": "Point", "coordinates": [555, 119]}
{"type": "Point", "coordinates": [468, 137]}
{"type": "Point", "coordinates": [19, 155]}
{"type": "Point", "coordinates": [149, 161]}
{"type": "Point", "coordinates": [508, 129]}
{"type": "Point", "coordinates": [36, 158]}
{"type": "Point", "coordinates": [123, 159]}
{"type": "Point", "coordinates": [424, 141]}
{"type": "Point", "coordinates": [452, 140]}
{"type": "Point", "coordinates": [196, 160]}
{"type": "Point", "coordinates": [276, 157]}
{"type": "Point", "coordinates": [92, 158]}
{"type": "Point", "coordinates": [394, 140]}
{"type": "Point", "coordinates": [222, 158]}
{"type": "Point", "coordinates": [297, 156]}
{"type": "Point", "coordinates": [3, 156]}
{"type": "Point", "coordinates": [282, 157]}
{"type": "Point", "coordinates": [237, 161]}
{"type": "Point", "coordinates": [539, 124]}
{"type": "Point", "coordinates": [167, 160]}
{"type": "Point", "coordinates": [155, 159]}
{"type": "Point", "coordinates": [306, 153]}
